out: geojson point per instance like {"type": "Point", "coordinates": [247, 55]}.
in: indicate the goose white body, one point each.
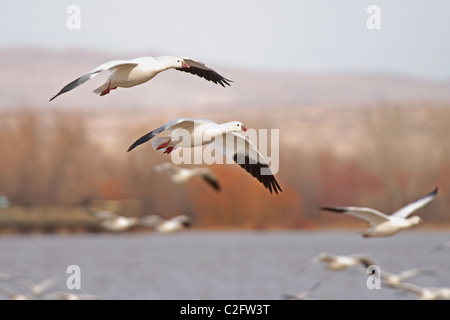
{"type": "Point", "coordinates": [188, 133]}
{"type": "Point", "coordinates": [383, 225]}
{"type": "Point", "coordinates": [130, 73]}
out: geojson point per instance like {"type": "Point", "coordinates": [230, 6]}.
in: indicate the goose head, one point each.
{"type": "Point", "coordinates": [234, 126]}
{"type": "Point", "coordinates": [180, 63]}
{"type": "Point", "coordinates": [415, 220]}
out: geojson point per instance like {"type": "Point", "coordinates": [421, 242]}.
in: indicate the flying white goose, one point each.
{"type": "Point", "coordinates": [341, 262]}
{"type": "Point", "coordinates": [130, 73]}
{"type": "Point", "coordinates": [393, 279]}
{"type": "Point", "coordinates": [425, 293]}
{"type": "Point", "coordinates": [114, 222]}
{"type": "Point", "coordinates": [183, 175]}
{"type": "Point", "coordinates": [442, 246]}
{"type": "Point", "coordinates": [202, 132]}
{"type": "Point", "coordinates": [12, 295]}
{"type": "Point", "coordinates": [166, 226]}
{"type": "Point", "coordinates": [36, 289]}
{"type": "Point", "coordinates": [383, 225]}
{"type": "Point", "coordinates": [304, 295]}
{"type": "Point", "coordinates": [61, 295]}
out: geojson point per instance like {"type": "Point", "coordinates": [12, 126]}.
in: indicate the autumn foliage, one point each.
{"type": "Point", "coordinates": [62, 158]}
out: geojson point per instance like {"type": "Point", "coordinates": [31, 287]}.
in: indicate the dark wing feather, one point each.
{"type": "Point", "coordinates": [108, 65]}
{"type": "Point", "coordinates": [334, 209]}
{"type": "Point", "coordinates": [75, 83]}
{"type": "Point", "coordinates": [254, 169]}
{"type": "Point", "coordinates": [213, 182]}
{"type": "Point", "coordinates": [143, 139]}
{"type": "Point", "coordinates": [178, 122]}
{"type": "Point", "coordinates": [207, 74]}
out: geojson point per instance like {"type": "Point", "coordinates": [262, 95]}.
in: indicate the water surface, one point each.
{"type": "Point", "coordinates": [222, 265]}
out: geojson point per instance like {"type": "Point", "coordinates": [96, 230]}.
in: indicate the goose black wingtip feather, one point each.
{"type": "Point", "coordinates": [333, 209]}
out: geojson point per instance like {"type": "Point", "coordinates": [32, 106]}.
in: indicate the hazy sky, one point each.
{"type": "Point", "coordinates": [299, 35]}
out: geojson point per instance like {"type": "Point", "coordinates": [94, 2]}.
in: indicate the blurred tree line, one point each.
{"type": "Point", "coordinates": [60, 157]}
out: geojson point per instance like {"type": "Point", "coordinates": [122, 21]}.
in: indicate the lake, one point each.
{"type": "Point", "coordinates": [222, 265]}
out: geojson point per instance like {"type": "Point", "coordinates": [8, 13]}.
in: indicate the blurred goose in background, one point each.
{"type": "Point", "coordinates": [221, 137]}
{"type": "Point", "coordinates": [383, 225]}
{"type": "Point", "coordinates": [183, 175]}
{"type": "Point", "coordinates": [162, 225]}
{"type": "Point", "coordinates": [341, 262]}
{"type": "Point", "coordinates": [113, 222]}
{"type": "Point", "coordinates": [130, 73]}
{"type": "Point", "coordinates": [303, 295]}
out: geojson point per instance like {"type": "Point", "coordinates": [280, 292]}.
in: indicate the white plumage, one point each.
{"type": "Point", "coordinates": [341, 262]}
{"type": "Point", "coordinates": [188, 133]}
{"type": "Point", "coordinates": [383, 225]}
{"type": "Point", "coordinates": [162, 225]}
{"type": "Point", "coordinates": [113, 222]}
{"type": "Point", "coordinates": [130, 73]}
{"type": "Point", "coordinates": [183, 175]}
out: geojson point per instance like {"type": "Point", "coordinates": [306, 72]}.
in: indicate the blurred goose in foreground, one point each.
{"type": "Point", "coordinates": [61, 295]}
{"type": "Point", "coordinates": [12, 295]}
{"type": "Point", "coordinates": [393, 279]}
{"type": "Point", "coordinates": [442, 246]}
{"type": "Point", "coordinates": [130, 73]}
{"type": "Point", "coordinates": [189, 133]}
{"type": "Point", "coordinates": [303, 295]}
{"type": "Point", "coordinates": [341, 262]}
{"type": "Point", "coordinates": [162, 225]}
{"type": "Point", "coordinates": [425, 293]}
{"type": "Point", "coordinates": [183, 175]}
{"type": "Point", "coordinates": [383, 225]}
{"type": "Point", "coordinates": [115, 223]}
{"type": "Point", "coordinates": [36, 289]}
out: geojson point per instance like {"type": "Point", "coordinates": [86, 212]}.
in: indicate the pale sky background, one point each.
{"type": "Point", "coordinates": [297, 35]}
